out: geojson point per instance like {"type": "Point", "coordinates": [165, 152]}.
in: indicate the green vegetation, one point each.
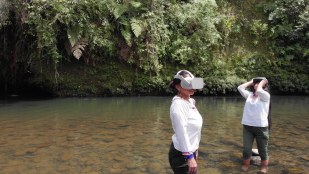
{"type": "Point", "coordinates": [125, 47]}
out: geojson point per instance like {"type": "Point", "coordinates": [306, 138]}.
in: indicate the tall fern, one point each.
{"type": "Point", "coordinates": [136, 26]}
{"type": "Point", "coordinates": [126, 33]}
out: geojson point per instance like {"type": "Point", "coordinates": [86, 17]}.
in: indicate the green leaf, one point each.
{"type": "Point", "coordinates": [289, 57]}
{"type": "Point", "coordinates": [124, 21]}
{"type": "Point", "coordinates": [136, 4]}
{"type": "Point", "coordinates": [119, 10]}
{"type": "Point", "coordinates": [136, 27]}
{"type": "Point", "coordinates": [127, 35]}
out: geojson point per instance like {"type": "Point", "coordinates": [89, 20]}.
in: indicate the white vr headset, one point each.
{"type": "Point", "coordinates": [190, 82]}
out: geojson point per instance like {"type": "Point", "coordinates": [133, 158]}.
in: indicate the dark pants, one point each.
{"type": "Point", "coordinates": [178, 161]}
{"type": "Point", "coordinates": [261, 135]}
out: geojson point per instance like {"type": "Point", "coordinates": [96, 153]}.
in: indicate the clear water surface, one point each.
{"type": "Point", "coordinates": [133, 134]}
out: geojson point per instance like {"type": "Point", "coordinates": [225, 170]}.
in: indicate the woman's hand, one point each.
{"type": "Point", "coordinates": [192, 166]}
{"type": "Point", "coordinates": [264, 82]}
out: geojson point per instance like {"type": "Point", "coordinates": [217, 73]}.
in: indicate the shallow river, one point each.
{"type": "Point", "coordinates": [125, 135]}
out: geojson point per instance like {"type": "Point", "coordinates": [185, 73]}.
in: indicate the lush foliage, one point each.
{"type": "Point", "coordinates": [125, 47]}
{"type": "Point", "coordinates": [289, 24]}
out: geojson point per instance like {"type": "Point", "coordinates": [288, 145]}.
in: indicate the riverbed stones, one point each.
{"type": "Point", "coordinates": [137, 148]}
{"type": "Point", "coordinates": [210, 170]}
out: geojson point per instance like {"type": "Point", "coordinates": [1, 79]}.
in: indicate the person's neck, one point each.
{"type": "Point", "coordinates": [184, 97]}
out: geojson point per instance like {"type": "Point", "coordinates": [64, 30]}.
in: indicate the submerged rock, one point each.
{"type": "Point", "coordinates": [256, 160]}
{"type": "Point", "coordinates": [255, 152]}
{"type": "Point", "coordinates": [46, 144]}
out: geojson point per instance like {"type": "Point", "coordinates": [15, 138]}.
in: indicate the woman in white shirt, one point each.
{"type": "Point", "coordinates": [187, 124]}
{"type": "Point", "coordinates": [256, 120]}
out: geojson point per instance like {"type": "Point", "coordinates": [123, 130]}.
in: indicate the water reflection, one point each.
{"type": "Point", "coordinates": [133, 135]}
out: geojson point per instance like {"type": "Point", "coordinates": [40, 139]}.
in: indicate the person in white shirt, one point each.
{"type": "Point", "coordinates": [187, 124]}
{"type": "Point", "coordinates": [256, 120]}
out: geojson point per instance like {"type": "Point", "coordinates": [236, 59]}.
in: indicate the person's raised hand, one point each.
{"type": "Point", "coordinates": [265, 80]}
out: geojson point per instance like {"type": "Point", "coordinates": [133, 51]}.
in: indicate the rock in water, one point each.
{"type": "Point", "coordinates": [255, 152]}
{"type": "Point", "coordinates": [255, 160]}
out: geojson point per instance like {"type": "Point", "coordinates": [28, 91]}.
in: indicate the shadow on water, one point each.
{"type": "Point", "coordinates": [133, 135]}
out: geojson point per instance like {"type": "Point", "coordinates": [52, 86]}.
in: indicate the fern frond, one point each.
{"type": "Point", "coordinates": [78, 53]}
{"type": "Point", "coordinates": [127, 35]}
{"type": "Point", "coordinates": [78, 47]}
{"type": "Point", "coordinates": [135, 4]}
{"type": "Point", "coordinates": [119, 10]}
{"type": "Point", "coordinates": [124, 21]}
{"type": "Point", "coordinates": [136, 26]}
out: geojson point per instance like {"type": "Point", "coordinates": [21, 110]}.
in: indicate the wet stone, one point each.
{"type": "Point", "coordinates": [87, 169]}
{"type": "Point", "coordinates": [121, 137]}
{"type": "Point", "coordinates": [221, 151]}
{"type": "Point", "coordinates": [138, 141]}
{"type": "Point", "coordinates": [115, 171]}
{"type": "Point", "coordinates": [65, 157]}
{"type": "Point", "coordinates": [146, 154]}
{"type": "Point", "coordinates": [116, 165]}
{"type": "Point", "coordinates": [88, 163]}
{"type": "Point", "coordinates": [37, 160]}
{"type": "Point", "coordinates": [107, 140]}
{"type": "Point", "coordinates": [155, 168]}
{"type": "Point", "coordinates": [119, 158]}
{"type": "Point", "coordinates": [256, 160]}
{"type": "Point", "coordinates": [305, 158]}
{"type": "Point", "coordinates": [46, 144]}
{"type": "Point", "coordinates": [255, 152]}
{"type": "Point", "coordinates": [71, 139]}
{"type": "Point", "coordinates": [20, 153]}
{"type": "Point", "coordinates": [130, 165]}
{"type": "Point", "coordinates": [63, 168]}
{"type": "Point", "coordinates": [3, 142]}
{"type": "Point", "coordinates": [33, 150]}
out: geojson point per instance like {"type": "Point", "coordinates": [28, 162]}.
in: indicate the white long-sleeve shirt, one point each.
{"type": "Point", "coordinates": [187, 124]}
{"type": "Point", "coordinates": [256, 109]}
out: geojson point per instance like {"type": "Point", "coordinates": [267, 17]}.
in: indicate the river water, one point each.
{"type": "Point", "coordinates": [125, 135]}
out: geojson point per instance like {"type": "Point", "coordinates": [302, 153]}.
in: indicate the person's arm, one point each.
{"type": "Point", "coordinates": [247, 84]}
{"type": "Point", "coordinates": [179, 120]}
{"type": "Point", "coordinates": [265, 96]}
{"type": "Point", "coordinates": [242, 89]}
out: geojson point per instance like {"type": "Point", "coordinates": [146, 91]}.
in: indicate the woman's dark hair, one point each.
{"type": "Point", "coordinates": [177, 81]}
